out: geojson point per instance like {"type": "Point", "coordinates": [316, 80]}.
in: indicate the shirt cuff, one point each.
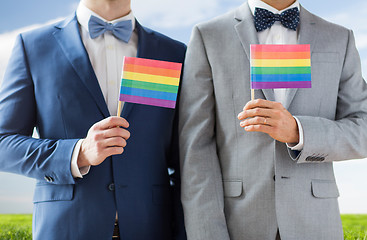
{"type": "Point", "coordinates": [299, 146]}
{"type": "Point", "coordinates": [75, 171]}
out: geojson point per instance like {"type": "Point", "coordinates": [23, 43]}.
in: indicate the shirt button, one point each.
{"type": "Point", "coordinates": [111, 187]}
{"type": "Point", "coordinates": [110, 47]}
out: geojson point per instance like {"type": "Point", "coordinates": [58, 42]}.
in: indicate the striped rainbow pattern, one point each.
{"type": "Point", "coordinates": [150, 82]}
{"type": "Point", "coordinates": [280, 66]}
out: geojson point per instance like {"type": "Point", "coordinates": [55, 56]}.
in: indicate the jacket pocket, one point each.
{"type": "Point", "coordinates": [232, 188]}
{"type": "Point", "coordinates": [53, 192]}
{"type": "Point", "coordinates": [324, 188]}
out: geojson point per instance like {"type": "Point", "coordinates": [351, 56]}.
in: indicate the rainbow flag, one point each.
{"type": "Point", "coordinates": [280, 66]}
{"type": "Point", "coordinates": [150, 82]}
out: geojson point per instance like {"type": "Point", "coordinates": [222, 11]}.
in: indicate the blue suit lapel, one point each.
{"type": "Point", "coordinates": [68, 37]}
{"type": "Point", "coordinates": [147, 48]}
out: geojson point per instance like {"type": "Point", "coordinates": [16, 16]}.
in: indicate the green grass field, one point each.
{"type": "Point", "coordinates": [19, 227]}
{"type": "Point", "coordinates": [355, 226]}
{"type": "Point", "coordinates": [15, 227]}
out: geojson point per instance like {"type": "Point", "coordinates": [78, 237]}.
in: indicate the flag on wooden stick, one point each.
{"type": "Point", "coordinates": [280, 66]}
{"type": "Point", "coordinates": [150, 82]}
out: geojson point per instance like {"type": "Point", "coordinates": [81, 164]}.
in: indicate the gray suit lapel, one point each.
{"type": "Point", "coordinates": [247, 34]}
{"type": "Point", "coordinates": [307, 35]}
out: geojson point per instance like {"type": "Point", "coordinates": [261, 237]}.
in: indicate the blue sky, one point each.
{"type": "Point", "coordinates": [176, 19]}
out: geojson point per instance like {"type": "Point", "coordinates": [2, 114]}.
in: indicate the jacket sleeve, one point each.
{"type": "Point", "coordinates": [42, 159]}
{"type": "Point", "coordinates": [327, 140]}
{"type": "Point", "coordinates": [202, 188]}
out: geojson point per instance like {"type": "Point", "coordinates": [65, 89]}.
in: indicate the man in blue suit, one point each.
{"type": "Point", "coordinates": [96, 174]}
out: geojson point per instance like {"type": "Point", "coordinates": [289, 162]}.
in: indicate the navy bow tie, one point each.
{"type": "Point", "coordinates": [122, 30]}
{"type": "Point", "coordinates": [265, 19]}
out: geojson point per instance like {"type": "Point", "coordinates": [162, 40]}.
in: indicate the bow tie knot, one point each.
{"type": "Point", "coordinates": [265, 19]}
{"type": "Point", "coordinates": [277, 17]}
{"type": "Point", "coordinates": [121, 30]}
{"type": "Point", "coordinates": [109, 27]}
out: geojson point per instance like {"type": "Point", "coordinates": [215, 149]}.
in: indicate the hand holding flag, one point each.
{"type": "Point", "coordinates": [269, 117]}
{"type": "Point", "coordinates": [105, 138]}
{"type": "Point", "coordinates": [276, 66]}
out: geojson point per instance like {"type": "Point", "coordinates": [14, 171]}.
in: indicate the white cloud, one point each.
{"type": "Point", "coordinates": [7, 42]}
{"type": "Point", "coordinates": [178, 13]}
{"type": "Point", "coordinates": [353, 17]}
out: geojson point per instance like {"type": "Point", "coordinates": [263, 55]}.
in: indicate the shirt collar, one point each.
{"type": "Point", "coordinates": [83, 15]}
{"type": "Point", "coordinates": [253, 4]}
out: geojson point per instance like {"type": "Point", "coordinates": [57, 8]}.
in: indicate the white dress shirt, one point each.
{"type": "Point", "coordinates": [278, 34]}
{"type": "Point", "coordinates": [106, 55]}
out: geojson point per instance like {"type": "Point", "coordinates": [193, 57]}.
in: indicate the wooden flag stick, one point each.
{"type": "Point", "coordinates": [119, 109]}
{"type": "Point", "coordinates": [252, 94]}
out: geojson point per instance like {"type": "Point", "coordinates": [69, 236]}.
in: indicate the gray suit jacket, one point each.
{"type": "Point", "coordinates": [244, 186]}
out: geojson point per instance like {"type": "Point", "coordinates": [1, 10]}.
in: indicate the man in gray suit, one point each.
{"type": "Point", "coordinates": [263, 169]}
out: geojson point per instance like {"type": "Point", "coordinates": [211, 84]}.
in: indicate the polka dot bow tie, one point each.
{"type": "Point", "coordinates": [265, 19]}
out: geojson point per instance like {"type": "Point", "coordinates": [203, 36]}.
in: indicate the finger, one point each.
{"type": "Point", "coordinates": [113, 151]}
{"type": "Point", "coordinates": [259, 128]}
{"type": "Point", "coordinates": [112, 122]}
{"type": "Point", "coordinates": [262, 103]}
{"type": "Point", "coordinates": [256, 121]}
{"type": "Point", "coordinates": [256, 112]}
{"type": "Point", "coordinates": [114, 142]}
{"type": "Point", "coordinates": [116, 132]}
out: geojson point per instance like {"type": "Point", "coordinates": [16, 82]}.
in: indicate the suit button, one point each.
{"type": "Point", "coordinates": [111, 187]}
{"type": "Point", "coordinates": [49, 179]}
{"type": "Point", "coordinates": [274, 178]}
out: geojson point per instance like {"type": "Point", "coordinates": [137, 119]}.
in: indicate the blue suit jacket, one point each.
{"type": "Point", "coordinates": [50, 84]}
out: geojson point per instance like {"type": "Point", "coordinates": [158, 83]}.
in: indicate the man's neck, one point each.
{"type": "Point", "coordinates": [109, 9]}
{"type": "Point", "coordinates": [279, 4]}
